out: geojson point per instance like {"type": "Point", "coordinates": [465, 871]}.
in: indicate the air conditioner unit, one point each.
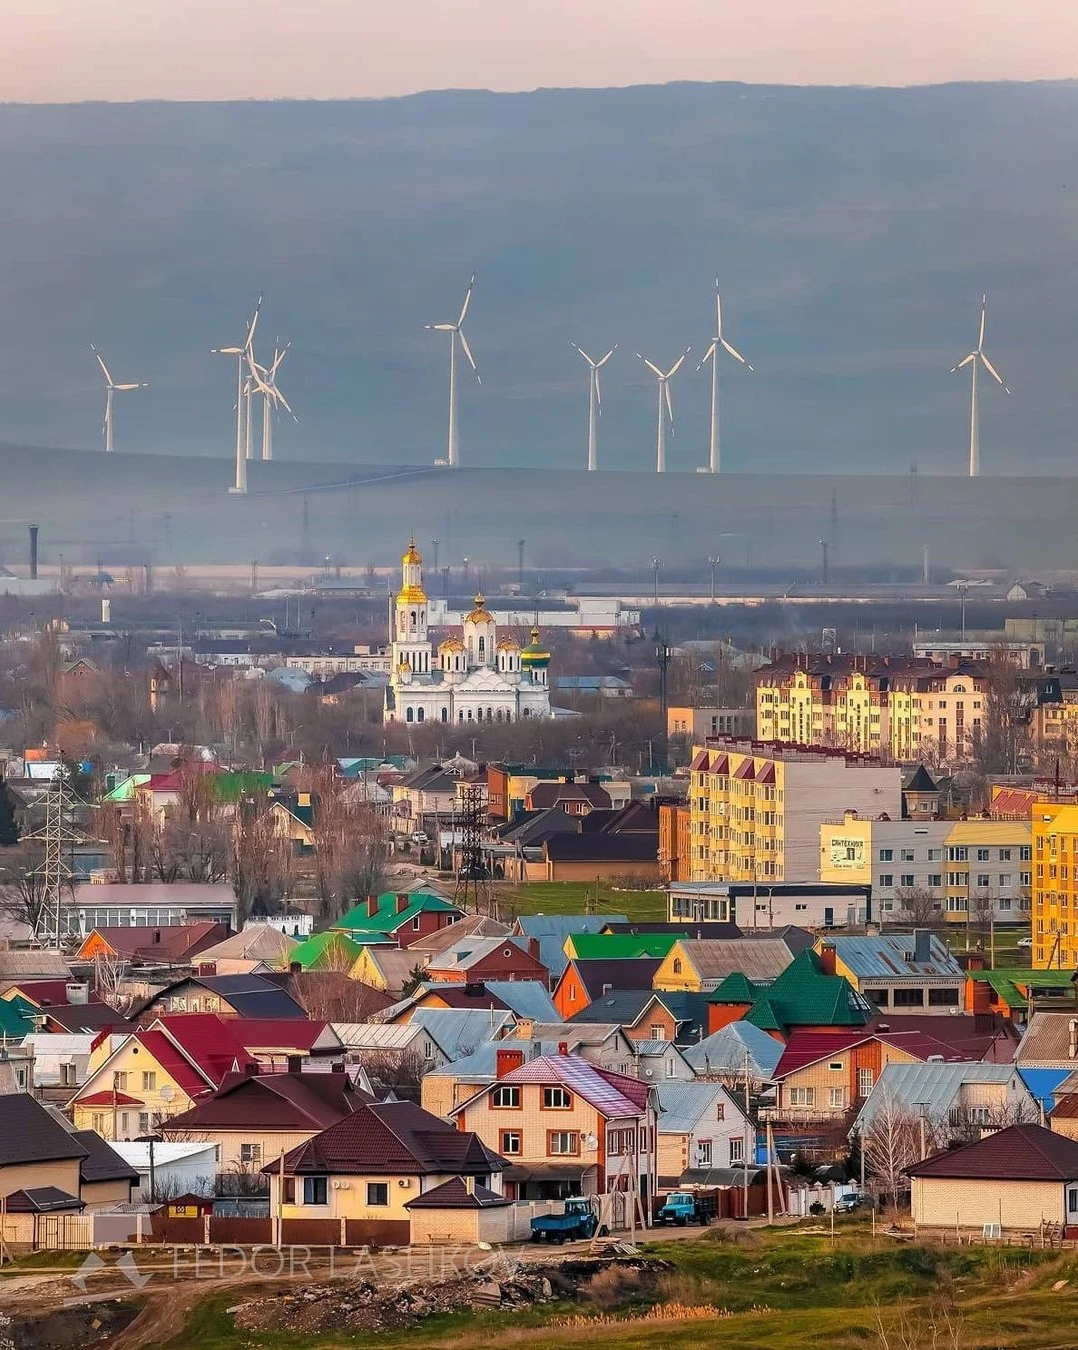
{"type": "Point", "coordinates": [649, 1073]}
{"type": "Point", "coordinates": [404, 1182]}
{"type": "Point", "coordinates": [341, 1185]}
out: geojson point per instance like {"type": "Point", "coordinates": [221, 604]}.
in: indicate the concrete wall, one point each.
{"type": "Point", "coordinates": [947, 1203]}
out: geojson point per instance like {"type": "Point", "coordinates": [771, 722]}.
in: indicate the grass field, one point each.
{"type": "Point", "coordinates": [583, 897]}
{"type": "Point", "coordinates": [775, 1291]}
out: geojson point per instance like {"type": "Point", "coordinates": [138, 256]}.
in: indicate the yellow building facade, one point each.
{"type": "Point", "coordinates": [1055, 857]}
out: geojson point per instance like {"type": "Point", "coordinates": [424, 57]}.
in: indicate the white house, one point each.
{"type": "Point", "coordinates": [178, 1168]}
{"type": "Point", "coordinates": [701, 1130]}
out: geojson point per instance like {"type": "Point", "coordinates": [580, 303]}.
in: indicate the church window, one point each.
{"type": "Point", "coordinates": [419, 715]}
{"type": "Point", "coordinates": [479, 714]}
{"type": "Point", "coordinates": [409, 713]}
{"type": "Point", "coordinates": [470, 715]}
{"type": "Point", "coordinates": [413, 619]}
{"type": "Point", "coordinates": [482, 646]}
{"type": "Point", "coordinates": [460, 715]}
{"type": "Point", "coordinates": [527, 712]}
{"type": "Point", "coordinates": [490, 714]}
{"type": "Point", "coordinates": [445, 714]}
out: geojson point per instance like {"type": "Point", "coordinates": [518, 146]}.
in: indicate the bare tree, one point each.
{"type": "Point", "coordinates": [916, 905]}
{"type": "Point", "coordinates": [109, 977]}
{"type": "Point", "coordinates": [262, 863]}
{"type": "Point", "coordinates": [1009, 699]}
{"type": "Point", "coordinates": [890, 1143]}
{"type": "Point", "coordinates": [397, 1071]}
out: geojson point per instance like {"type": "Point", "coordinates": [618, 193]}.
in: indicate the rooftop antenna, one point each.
{"type": "Point", "coordinates": [111, 387]}
{"type": "Point", "coordinates": [712, 354]}
{"type": "Point", "coordinates": [456, 333]}
{"type": "Point", "coordinates": [666, 407]}
{"type": "Point", "coordinates": [977, 358]}
{"type": "Point", "coordinates": [595, 400]}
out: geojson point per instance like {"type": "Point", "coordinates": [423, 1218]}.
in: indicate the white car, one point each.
{"type": "Point", "coordinates": [420, 837]}
{"type": "Point", "coordinates": [1025, 942]}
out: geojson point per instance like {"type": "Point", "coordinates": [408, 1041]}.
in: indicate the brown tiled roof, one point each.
{"type": "Point", "coordinates": [275, 1101]}
{"type": "Point", "coordinates": [1066, 1107]}
{"type": "Point", "coordinates": [454, 1194]}
{"type": "Point", "coordinates": [29, 1133]}
{"type": "Point", "coordinates": [1019, 1153]}
{"type": "Point", "coordinates": [1047, 1038]}
{"type": "Point", "coordinates": [396, 1138]}
{"type": "Point", "coordinates": [168, 943]}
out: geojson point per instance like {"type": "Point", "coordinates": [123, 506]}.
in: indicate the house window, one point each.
{"type": "Point", "coordinates": [562, 1142]}
{"type": "Point", "coordinates": [887, 855]}
{"type": "Point", "coordinates": [836, 1098]}
{"type": "Point", "coordinates": [250, 1153]}
{"type": "Point", "coordinates": [876, 996]}
{"type": "Point", "coordinates": [982, 855]}
{"type": "Point", "coordinates": [119, 1081]}
{"type": "Point", "coordinates": [720, 1111]}
{"type": "Point", "coordinates": [677, 965]}
{"type": "Point", "coordinates": [671, 1069]}
{"type": "Point", "coordinates": [657, 1032]}
{"type": "Point", "coordinates": [943, 998]}
{"type": "Point", "coordinates": [97, 1122]}
{"type": "Point", "coordinates": [887, 878]}
{"type": "Point", "coordinates": [935, 879]}
{"type": "Point", "coordinates": [836, 1064]}
{"type": "Point", "coordinates": [1072, 1199]}
{"type": "Point", "coordinates": [982, 881]}
{"type": "Point", "coordinates": [802, 1096]}
{"type": "Point", "coordinates": [737, 1150]}
{"type": "Point", "coordinates": [909, 998]}
{"type": "Point", "coordinates": [316, 1190]}
{"type": "Point", "coordinates": [703, 1153]}
{"type": "Point", "coordinates": [907, 855]}
{"type": "Point", "coordinates": [865, 1080]}
{"type": "Point", "coordinates": [288, 1196]}
{"type": "Point", "coordinates": [1005, 855]}
{"type": "Point", "coordinates": [506, 1098]}
{"type": "Point", "coordinates": [906, 879]}
{"type": "Point", "coordinates": [377, 1194]}
{"type": "Point", "coordinates": [144, 1122]}
{"type": "Point", "coordinates": [556, 1099]}
{"type": "Point", "coordinates": [149, 1082]}
{"type": "Point", "coordinates": [935, 855]}
{"type": "Point", "coordinates": [510, 1143]}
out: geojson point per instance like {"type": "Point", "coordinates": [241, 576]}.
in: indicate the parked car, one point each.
{"type": "Point", "coordinates": [579, 1221]}
{"type": "Point", "coordinates": [685, 1207]}
{"type": "Point", "coordinates": [420, 837]}
{"type": "Point", "coordinates": [1025, 942]}
{"type": "Point", "coordinates": [849, 1204]}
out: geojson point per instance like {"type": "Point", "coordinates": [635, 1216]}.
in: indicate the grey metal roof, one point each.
{"type": "Point", "coordinates": [379, 1036]}
{"type": "Point", "coordinates": [527, 998]}
{"type": "Point", "coordinates": [932, 1087]}
{"type": "Point", "coordinates": [459, 1031]}
{"type": "Point", "coordinates": [889, 956]}
{"type": "Point", "coordinates": [725, 1051]}
{"type": "Point", "coordinates": [681, 1105]}
{"type": "Point", "coordinates": [715, 958]}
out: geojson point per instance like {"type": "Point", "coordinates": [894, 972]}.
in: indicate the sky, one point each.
{"type": "Point", "coordinates": [60, 51]}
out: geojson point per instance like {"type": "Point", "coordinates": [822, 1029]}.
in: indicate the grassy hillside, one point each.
{"type": "Point", "coordinates": [581, 897]}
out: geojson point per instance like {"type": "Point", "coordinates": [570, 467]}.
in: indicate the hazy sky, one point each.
{"type": "Point", "coordinates": [68, 50]}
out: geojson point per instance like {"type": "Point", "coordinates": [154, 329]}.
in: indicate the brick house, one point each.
{"type": "Point", "coordinates": [404, 916]}
{"type": "Point", "coordinates": [479, 959]}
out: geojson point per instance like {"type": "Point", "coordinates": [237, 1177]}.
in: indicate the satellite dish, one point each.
{"type": "Point", "coordinates": [590, 1140]}
{"type": "Point", "coordinates": [167, 1093]}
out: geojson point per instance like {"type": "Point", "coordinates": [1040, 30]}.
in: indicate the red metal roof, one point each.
{"type": "Point", "coordinates": [180, 1068]}
{"type": "Point", "coordinates": [720, 764]}
{"type": "Point", "coordinates": [110, 1099]}
{"type": "Point", "coordinates": [699, 760]}
{"type": "Point", "coordinates": [746, 771]}
{"type": "Point", "coordinates": [809, 1047]}
{"type": "Point", "coordinates": [768, 774]}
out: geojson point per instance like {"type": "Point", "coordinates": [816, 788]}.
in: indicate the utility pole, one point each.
{"type": "Point", "coordinates": [434, 554]}
{"type": "Point", "coordinates": [925, 570]}
{"type": "Point", "coordinates": [825, 574]}
{"type": "Point", "coordinates": [445, 584]}
{"type": "Point", "coordinates": [713, 560]}
{"type": "Point", "coordinates": [656, 565]}
{"type": "Point", "coordinates": [662, 658]}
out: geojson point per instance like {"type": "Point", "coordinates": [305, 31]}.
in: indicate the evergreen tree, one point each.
{"type": "Point", "coordinates": [9, 826]}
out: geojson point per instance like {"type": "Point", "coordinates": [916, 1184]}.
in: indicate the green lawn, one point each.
{"type": "Point", "coordinates": [1008, 954]}
{"type": "Point", "coordinates": [583, 897]}
{"type": "Point", "coordinates": [778, 1291]}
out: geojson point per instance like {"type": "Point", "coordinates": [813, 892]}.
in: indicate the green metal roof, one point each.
{"type": "Point", "coordinates": [803, 996]}
{"type": "Point", "coordinates": [16, 1018]}
{"type": "Point", "coordinates": [326, 951]}
{"type": "Point", "coordinates": [125, 791]}
{"type": "Point", "coordinates": [388, 918]}
{"type": "Point", "coordinates": [736, 988]}
{"type": "Point", "coordinates": [1010, 981]}
{"type": "Point", "coordinates": [619, 946]}
{"type": "Point", "coordinates": [230, 785]}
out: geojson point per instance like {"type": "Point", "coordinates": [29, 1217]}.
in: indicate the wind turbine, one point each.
{"type": "Point", "coordinates": [595, 399]}
{"type": "Point", "coordinates": [977, 358]}
{"type": "Point", "coordinates": [265, 381]}
{"type": "Point", "coordinates": [664, 398]}
{"type": "Point", "coordinates": [456, 331]}
{"type": "Point", "coordinates": [712, 354]}
{"type": "Point", "coordinates": [111, 387]}
{"type": "Point", "coordinates": [241, 354]}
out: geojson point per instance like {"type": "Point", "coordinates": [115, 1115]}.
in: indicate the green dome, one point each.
{"type": "Point", "coordinates": [534, 654]}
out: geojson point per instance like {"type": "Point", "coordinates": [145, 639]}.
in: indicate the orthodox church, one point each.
{"type": "Point", "coordinates": [472, 676]}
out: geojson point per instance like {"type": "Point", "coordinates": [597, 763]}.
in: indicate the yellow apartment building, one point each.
{"type": "Point", "coordinates": [756, 808]}
{"type": "Point", "coordinates": [1055, 856]}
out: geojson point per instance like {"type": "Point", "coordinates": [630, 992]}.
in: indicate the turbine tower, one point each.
{"type": "Point", "coordinates": [712, 354]}
{"type": "Point", "coordinates": [241, 355]}
{"type": "Point", "coordinates": [111, 387]}
{"type": "Point", "coordinates": [595, 398]}
{"type": "Point", "coordinates": [664, 399]}
{"type": "Point", "coordinates": [264, 380]}
{"type": "Point", "coordinates": [456, 331]}
{"type": "Point", "coordinates": [977, 358]}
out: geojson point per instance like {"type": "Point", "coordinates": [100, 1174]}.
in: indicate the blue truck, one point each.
{"type": "Point", "coordinates": [685, 1207]}
{"type": "Point", "coordinates": [579, 1221]}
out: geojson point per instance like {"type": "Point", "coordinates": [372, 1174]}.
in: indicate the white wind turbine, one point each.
{"type": "Point", "coordinates": [264, 378]}
{"type": "Point", "coordinates": [111, 387]}
{"type": "Point", "coordinates": [977, 358]}
{"type": "Point", "coordinates": [595, 398]}
{"type": "Point", "coordinates": [712, 354]}
{"type": "Point", "coordinates": [242, 396]}
{"type": "Point", "coordinates": [456, 331]}
{"type": "Point", "coordinates": [664, 398]}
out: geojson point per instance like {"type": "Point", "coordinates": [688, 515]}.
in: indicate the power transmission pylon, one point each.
{"type": "Point", "coordinates": [55, 920]}
{"type": "Point", "coordinates": [473, 891]}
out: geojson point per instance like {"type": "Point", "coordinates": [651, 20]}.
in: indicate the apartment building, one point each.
{"type": "Point", "coordinates": [756, 807]}
{"type": "Point", "coordinates": [981, 864]}
{"type": "Point", "coordinates": [1054, 894]}
{"type": "Point", "coordinates": [696, 724]}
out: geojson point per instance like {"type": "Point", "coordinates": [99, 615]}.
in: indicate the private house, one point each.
{"type": "Point", "coordinates": [17, 966]}
{"type": "Point", "coordinates": [330, 950]}
{"type": "Point", "coordinates": [956, 1101]}
{"type": "Point", "coordinates": [164, 945]}
{"type": "Point", "coordinates": [60, 1062]}
{"type": "Point", "coordinates": [822, 1074]}
{"type": "Point", "coordinates": [701, 1128]}
{"type": "Point", "coordinates": [471, 926]}
{"type": "Point", "coordinates": [807, 995]}
{"type": "Point", "coordinates": [603, 946]}
{"type": "Point", "coordinates": [395, 1057]}
{"type": "Point", "coordinates": [700, 965]}
{"type": "Point", "coordinates": [522, 998]}
{"type": "Point", "coordinates": [1019, 1179]}
{"type": "Point", "coordinates": [595, 857]}
{"type": "Point", "coordinates": [650, 1015]}
{"type": "Point", "coordinates": [575, 799]}
{"type": "Point", "coordinates": [482, 959]}
{"type": "Point", "coordinates": [660, 1062]}
{"type": "Point", "coordinates": [737, 1052]}
{"type": "Point", "coordinates": [257, 947]}
{"type": "Point", "coordinates": [254, 1117]}
{"type": "Point", "coordinates": [566, 1127]}
{"type": "Point", "coordinates": [552, 930]}
{"type": "Point", "coordinates": [360, 1177]}
{"type": "Point", "coordinates": [153, 904]}
{"type": "Point", "coordinates": [223, 995]}
{"type": "Point", "coordinates": [387, 968]}
{"type": "Point", "coordinates": [106, 1179]}
{"type": "Point", "coordinates": [1015, 992]}
{"type": "Point", "coordinates": [898, 972]}
{"type": "Point", "coordinates": [459, 1031]}
{"type": "Point", "coordinates": [403, 917]}
{"type": "Point", "coordinates": [582, 982]}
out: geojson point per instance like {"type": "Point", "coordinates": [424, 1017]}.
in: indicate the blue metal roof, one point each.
{"type": "Point", "coordinates": [724, 1051]}
{"type": "Point", "coordinates": [889, 956]}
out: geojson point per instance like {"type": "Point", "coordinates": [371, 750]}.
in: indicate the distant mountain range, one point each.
{"type": "Point", "coordinates": [853, 231]}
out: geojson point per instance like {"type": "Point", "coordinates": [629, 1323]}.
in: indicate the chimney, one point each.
{"type": "Point", "coordinates": [33, 552]}
{"type": "Point", "coordinates": [403, 900]}
{"type": "Point", "coordinates": [294, 967]}
{"type": "Point", "coordinates": [469, 1185]}
{"type": "Point", "coordinates": [295, 1063]}
{"type": "Point", "coordinates": [372, 906]}
{"type": "Point", "coordinates": [77, 991]}
{"type": "Point", "coordinates": [533, 947]}
{"type": "Point", "coordinates": [827, 958]}
{"type": "Point", "coordinates": [505, 1061]}
{"type": "Point", "coordinates": [563, 1047]}
{"type": "Point", "coordinates": [922, 946]}
{"type": "Point", "coordinates": [1072, 1038]}
{"type": "Point", "coordinates": [607, 988]}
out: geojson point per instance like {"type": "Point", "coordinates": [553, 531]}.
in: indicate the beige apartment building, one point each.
{"type": "Point", "coordinates": [756, 808]}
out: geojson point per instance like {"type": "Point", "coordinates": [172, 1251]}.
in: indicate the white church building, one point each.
{"type": "Point", "coordinates": [472, 676]}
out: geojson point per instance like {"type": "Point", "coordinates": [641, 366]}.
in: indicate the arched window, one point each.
{"type": "Point", "coordinates": [409, 714]}
{"type": "Point", "coordinates": [413, 618]}
{"type": "Point", "coordinates": [470, 715]}
{"type": "Point", "coordinates": [460, 715]}
{"type": "Point", "coordinates": [527, 712]}
{"type": "Point", "coordinates": [419, 715]}
{"type": "Point", "coordinates": [677, 965]}
{"type": "Point", "coordinates": [482, 646]}
{"type": "Point", "coordinates": [479, 714]}
{"type": "Point", "coordinates": [490, 714]}
{"type": "Point", "coordinates": [445, 714]}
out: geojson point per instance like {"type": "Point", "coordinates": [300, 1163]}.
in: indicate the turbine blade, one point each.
{"type": "Point", "coordinates": [130, 386]}
{"type": "Point", "coordinates": [984, 308]}
{"type": "Point", "coordinates": [735, 353]}
{"type": "Point", "coordinates": [964, 362]}
{"type": "Point", "coordinates": [226, 351]}
{"type": "Point", "coordinates": [583, 353]}
{"type": "Point", "coordinates": [441, 327]}
{"type": "Point", "coordinates": [101, 363]}
{"type": "Point", "coordinates": [598, 392]}
{"type": "Point", "coordinates": [278, 397]}
{"type": "Point", "coordinates": [669, 404]}
{"type": "Point", "coordinates": [708, 354]}
{"type": "Point", "coordinates": [993, 371]}
{"type": "Point", "coordinates": [652, 367]}
{"type": "Point", "coordinates": [677, 364]}
{"type": "Point", "coordinates": [718, 311]}
{"type": "Point", "coordinates": [468, 354]}
{"type": "Point", "coordinates": [604, 359]}
{"type": "Point", "coordinates": [467, 301]}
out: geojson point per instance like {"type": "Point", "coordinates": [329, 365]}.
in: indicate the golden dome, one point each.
{"type": "Point", "coordinates": [411, 595]}
{"type": "Point", "coordinates": [508, 644]}
{"type": "Point", "coordinates": [412, 558]}
{"type": "Point", "coordinates": [451, 644]}
{"type": "Point", "coordinates": [480, 614]}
